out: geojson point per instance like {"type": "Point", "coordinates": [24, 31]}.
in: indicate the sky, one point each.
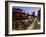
{"type": "Point", "coordinates": [28, 9]}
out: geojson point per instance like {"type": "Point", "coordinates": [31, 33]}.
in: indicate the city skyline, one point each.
{"type": "Point", "coordinates": [28, 9]}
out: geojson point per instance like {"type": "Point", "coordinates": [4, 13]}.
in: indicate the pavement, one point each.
{"type": "Point", "coordinates": [32, 25]}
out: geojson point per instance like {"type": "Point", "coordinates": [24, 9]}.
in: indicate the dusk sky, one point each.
{"type": "Point", "coordinates": [28, 9]}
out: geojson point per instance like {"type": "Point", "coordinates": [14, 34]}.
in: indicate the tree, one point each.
{"type": "Point", "coordinates": [38, 14]}
{"type": "Point", "coordinates": [33, 13]}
